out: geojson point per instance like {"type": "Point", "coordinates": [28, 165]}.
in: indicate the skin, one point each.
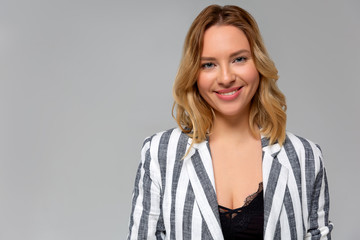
{"type": "Point", "coordinates": [236, 153]}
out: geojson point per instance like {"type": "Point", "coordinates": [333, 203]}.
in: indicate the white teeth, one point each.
{"type": "Point", "coordinates": [228, 93]}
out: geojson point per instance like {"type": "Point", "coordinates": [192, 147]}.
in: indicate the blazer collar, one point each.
{"type": "Point", "coordinates": [198, 163]}
{"type": "Point", "coordinates": [271, 149]}
{"type": "Point", "coordinates": [265, 143]}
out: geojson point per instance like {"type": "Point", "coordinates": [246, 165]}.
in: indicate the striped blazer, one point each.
{"type": "Point", "coordinates": [175, 198]}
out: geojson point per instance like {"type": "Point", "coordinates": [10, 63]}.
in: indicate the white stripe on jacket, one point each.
{"type": "Point", "coordinates": [176, 199]}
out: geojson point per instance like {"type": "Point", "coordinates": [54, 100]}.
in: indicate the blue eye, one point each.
{"type": "Point", "coordinates": [207, 65]}
{"type": "Point", "coordinates": [240, 59]}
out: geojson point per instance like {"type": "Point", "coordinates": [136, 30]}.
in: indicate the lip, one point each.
{"type": "Point", "coordinates": [236, 93]}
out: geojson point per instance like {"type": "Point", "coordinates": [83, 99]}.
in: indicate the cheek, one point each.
{"type": "Point", "coordinates": [255, 83]}
{"type": "Point", "coordinates": [255, 79]}
{"type": "Point", "coordinates": [251, 76]}
{"type": "Point", "coordinates": [203, 84]}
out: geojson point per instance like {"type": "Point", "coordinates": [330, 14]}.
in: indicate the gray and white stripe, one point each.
{"type": "Point", "coordinates": [175, 198]}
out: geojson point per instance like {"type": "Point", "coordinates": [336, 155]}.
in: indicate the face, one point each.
{"type": "Point", "coordinates": [228, 78]}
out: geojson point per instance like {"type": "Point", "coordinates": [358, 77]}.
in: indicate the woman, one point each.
{"type": "Point", "coordinates": [230, 170]}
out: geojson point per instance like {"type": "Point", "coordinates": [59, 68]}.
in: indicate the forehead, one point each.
{"type": "Point", "coordinates": [223, 39]}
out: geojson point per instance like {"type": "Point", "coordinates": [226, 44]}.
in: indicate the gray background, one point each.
{"type": "Point", "coordinates": [82, 83]}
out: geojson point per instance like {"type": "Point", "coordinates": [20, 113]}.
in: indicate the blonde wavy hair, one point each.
{"type": "Point", "coordinates": [193, 114]}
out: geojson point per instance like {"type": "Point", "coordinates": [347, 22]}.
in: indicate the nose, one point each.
{"type": "Point", "coordinates": [226, 76]}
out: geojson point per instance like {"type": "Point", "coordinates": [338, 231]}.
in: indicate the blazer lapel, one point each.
{"type": "Point", "coordinates": [275, 177]}
{"type": "Point", "coordinates": [200, 171]}
{"type": "Point", "coordinates": [201, 174]}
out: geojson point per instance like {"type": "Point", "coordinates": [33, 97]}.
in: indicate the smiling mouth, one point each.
{"type": "Point", "coordinates": [227, 93]}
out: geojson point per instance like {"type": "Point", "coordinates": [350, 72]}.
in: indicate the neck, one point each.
{"type": "Point", "coordinates": [232, 130]}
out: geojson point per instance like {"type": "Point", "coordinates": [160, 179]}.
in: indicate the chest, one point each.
{"type": "Point", "coordinates": [237, 174]}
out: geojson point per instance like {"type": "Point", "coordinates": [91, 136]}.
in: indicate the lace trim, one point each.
{"type": "Point", "coordinates": [247, 201]}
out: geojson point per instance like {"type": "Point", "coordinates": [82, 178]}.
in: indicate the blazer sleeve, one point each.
{"type": "Point", "coordinates": [319, 225]}
{"type": "Point", "coordinates": [146, 218]}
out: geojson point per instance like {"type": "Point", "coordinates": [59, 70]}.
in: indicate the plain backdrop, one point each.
{"type": "Point", "coordinates": [82, 83]}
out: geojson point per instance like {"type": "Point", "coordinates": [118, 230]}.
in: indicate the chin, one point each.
{"type": "Point", "coordinates": [231, 114]}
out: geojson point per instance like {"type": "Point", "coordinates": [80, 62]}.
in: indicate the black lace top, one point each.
{"type": "Point", "coordinates": [245, 222]}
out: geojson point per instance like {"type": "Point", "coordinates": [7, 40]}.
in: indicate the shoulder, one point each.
{"type": "Point", "coordinates": [301, 144]}
{"type": "Point", "coordinates": [162, 151]}
{"type": "Point", "coordinates": [167, 146]}
{"type": "Point", "coordinates": [162, 140]}
{"type": "Point", "coordinates": [299, 141]}
{"type": "Point", "coordinates": [302, 152]}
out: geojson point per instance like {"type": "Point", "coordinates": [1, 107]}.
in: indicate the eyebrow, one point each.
{"type": "Point", "coordinates": [231, 55]}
